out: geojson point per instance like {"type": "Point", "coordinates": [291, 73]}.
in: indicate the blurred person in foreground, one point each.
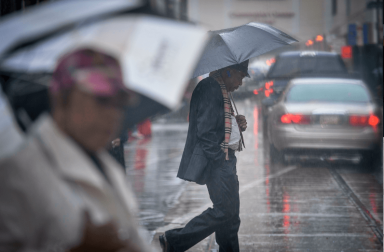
{"type": "Point", "coordinates": [62, 191]}
{"type": "Point", "coordinates": [209, 158]}
{"type": "Point", "coordinates": [11, 135]}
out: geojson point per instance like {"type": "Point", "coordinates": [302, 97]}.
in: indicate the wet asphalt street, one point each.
{"type": "Point", "coordinates": [297, 207]}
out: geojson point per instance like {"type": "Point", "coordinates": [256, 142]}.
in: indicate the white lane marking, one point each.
{"type": "Point", "coordinates": [260, 181]}
{"type": "Point", "coordinates": [302, 215]}
{"type": "Point", "coordinates": [183, 219]}
{"type": "Point", "coordinates": [309, 235]}
{"type": "Point", "coordinates": [170, 127]}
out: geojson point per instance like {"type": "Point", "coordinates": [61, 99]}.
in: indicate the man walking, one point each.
{"type": "Point", "coordinates": [209, 158]}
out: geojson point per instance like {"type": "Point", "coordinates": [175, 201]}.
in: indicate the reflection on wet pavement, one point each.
{"type": "Point", "coordinates": [365, 186]}
{"type": "Point", "coordinates": [283, 208]}
{"type": "Point", "coordinates": [151, 168]}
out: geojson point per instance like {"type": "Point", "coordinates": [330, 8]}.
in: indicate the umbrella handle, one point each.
{"type": "Point", "coordinates": [237, 113]}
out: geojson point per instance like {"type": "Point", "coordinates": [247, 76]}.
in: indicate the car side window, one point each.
{"type": "Point", "coordinates": [284, 67]}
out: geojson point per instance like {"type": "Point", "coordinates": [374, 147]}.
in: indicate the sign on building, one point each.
{"type": "Point", "coordinates": [360, 35]}
{"type": "Point", "coordinates": [346, 52]}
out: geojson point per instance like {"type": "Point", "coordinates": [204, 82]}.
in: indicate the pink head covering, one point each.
{"type": "Point", "coordinates": [91, 71]}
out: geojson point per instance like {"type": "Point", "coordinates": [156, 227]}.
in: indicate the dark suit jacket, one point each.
{"type": "Point", "coordinates": [202, 150]}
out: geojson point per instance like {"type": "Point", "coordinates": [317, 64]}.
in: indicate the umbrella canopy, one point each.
{"type": "Point", "coordinates": [235, 45]}
{"type": "Point", "coordinates": [157, 56]}
{"type": "Point", "coordinates": [49, 18]}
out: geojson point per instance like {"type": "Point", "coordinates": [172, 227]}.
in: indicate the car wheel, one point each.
{"type": "Point", "coordinates": [370, 160]}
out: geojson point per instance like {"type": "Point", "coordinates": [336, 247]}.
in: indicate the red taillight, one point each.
{"type": "Point", "coordinates": [255, 92]}
{"type": "Point", "coordinates": [268, 88]}
{"type": "Point", "coordinates": [271, 61]}
{"type": "Point", "coordinates": [286, 119]}
{"type": "Point", "coordinates": [362, 120]}
{"type": "Point", "coordinates": [373, 120]}
{"type": "Point", "coordinates": [297, 119]}
{"type": "Point", "coordinates": [357, 120]}
{"type": "Point", "coordinates": [268, 92]}
{"type": "Point", "coordinates": [268, 84]}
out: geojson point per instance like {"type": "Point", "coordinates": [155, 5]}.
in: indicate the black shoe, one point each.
{"type": "Point", "coordinates": [164, 244]}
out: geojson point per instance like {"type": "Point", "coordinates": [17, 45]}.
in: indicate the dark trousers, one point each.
{"type": "Point", "coordinates": [223, 218]}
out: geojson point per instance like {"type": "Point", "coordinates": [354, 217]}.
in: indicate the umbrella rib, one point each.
{"type": "Point", "coordinates": [229, 49]}
{"type": "Point", "coordinates": [233, 57]}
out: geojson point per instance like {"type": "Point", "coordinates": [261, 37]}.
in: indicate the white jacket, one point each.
{"type": "Point", "coordinates": [48, 184]}
{"type": "Point", "coordinates": [10, 135]}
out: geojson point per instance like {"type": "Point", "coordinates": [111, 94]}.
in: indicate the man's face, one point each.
{"type": "Point", "coordinates": [92, 121]}
{"type": "Point", "coordinates": [234, 80]}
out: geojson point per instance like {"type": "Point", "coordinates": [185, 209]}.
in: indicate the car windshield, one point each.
{"type": "Point", "coordinates": [328, 93]}
{"type": "Point", "coordinates": [289, 66]}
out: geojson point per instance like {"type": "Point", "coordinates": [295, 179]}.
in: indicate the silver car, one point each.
{"type": "Point", "coordinates": [326, 119]}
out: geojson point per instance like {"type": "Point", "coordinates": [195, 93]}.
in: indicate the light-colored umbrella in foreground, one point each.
{"type": "Point", "coordinates": [157, 56]}
{"type": "Point", "coordinates": [44, 19]}
{"type": "Point", "coordinates": [235, 45]}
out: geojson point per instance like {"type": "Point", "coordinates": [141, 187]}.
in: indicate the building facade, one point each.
{"type": "Point", "coordinates": [175, 9]}
{"type": "Point", "coordinates": [303, 19]}
{"type": "Point", "coordinates": [353, 22]}
{"type": "Point", "coordinates": [354, 28]}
